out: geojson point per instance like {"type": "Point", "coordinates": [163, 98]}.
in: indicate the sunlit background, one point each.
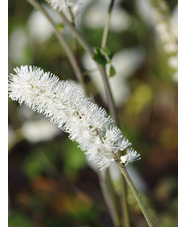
{"type": "Point", "coordinates": [51, 184]}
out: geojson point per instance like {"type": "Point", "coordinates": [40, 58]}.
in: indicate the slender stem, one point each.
{"type": "Point", "coordinates": [109, 196]}
{"type": "Point", "coordinates": [136, 195]}
{"type": "Point", "coordinates": [79, 37]}
{"type": "Point", "coordinates": [76, 52]}
{"type": "Point", "coordinates": [106, 28]}
{"type": "Point", "coordinates": [62, 41]}
{"type": "Point", "coordinates": [125, 208]}
{"type": "Point", "coordinates": [133, 189]}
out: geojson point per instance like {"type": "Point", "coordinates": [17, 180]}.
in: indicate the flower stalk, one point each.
{"type": "Point", "coordinates": [110, 196]}
{"type": "Point", "coordinates": [136, 195]}
{"type": "Point", "coordinates": [123, 170]}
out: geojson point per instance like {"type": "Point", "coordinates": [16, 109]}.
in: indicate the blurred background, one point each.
{"type": "Point", "coordinates": [51, 183]}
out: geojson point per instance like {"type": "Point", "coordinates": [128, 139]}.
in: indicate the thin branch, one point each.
{"type": "Point", "coordinates": [133, 189]}
{"type": "Point", "coordinates": [106, 27]}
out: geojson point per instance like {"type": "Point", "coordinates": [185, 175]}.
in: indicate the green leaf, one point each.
{"type": "Point", "coordinates": [112, 71]}
{"type": "Point", "coordinates": [60, 26]}
{"type": "Point", "coordinates": [99, 57]}
{"type": "Point", "coordinates": [108, 52]}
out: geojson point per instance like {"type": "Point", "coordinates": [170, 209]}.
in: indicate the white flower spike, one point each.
{"type": "Point", "coordinates": [65, 105]}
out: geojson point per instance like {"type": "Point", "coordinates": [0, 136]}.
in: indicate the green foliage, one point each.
{"type": "Point", "coordinates": [107, 51]}
{"type": "Point", "coordinates": [112, 71]}
{"type": "Point", "coordinates": [103, 56]}
{"type": "Point", "coordinates": [99, 57]}
{"type": "Point", "coordinates": [60, 27]}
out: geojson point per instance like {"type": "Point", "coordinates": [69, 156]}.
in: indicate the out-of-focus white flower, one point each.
{"type": "Point", "coordinates": [171, 47]}
{"type": "Point", "coordinates": [156, 13]}
{"type": "Point", "coordinates": [173, 61]}
{"type": "Point", "coordinates": [66, 106]}
{"type": "Point", "coordinates": [17, 44]}
{"type": "Point", "coordinates": [167, 32]}
{"type": "Point", "coordinates": [175, 77]}
{"type": "Point", "coordinates": [145, 9]}
{"type": "Point", "coordinates": [76, 6]}
{"type": "Point", "coordinates": [125, 63]}
{"type": "Point", "coordinates": [41, 130]}
{"type": "Point", "coordinates": [174, 21]}
{"type": "Point", "coordinates": [40, 29]}
{"type": "Point", "coordinates": [95, 17]}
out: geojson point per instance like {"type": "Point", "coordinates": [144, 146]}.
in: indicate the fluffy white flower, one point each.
{"type": "Point", "coordinates": [65, 105]}
{"type": "Point", "coordinates": [96, 14]}
{"type": "Point", "coordinates": [130, 157]}
{"type": "Point", "coordinates": [76, 6]}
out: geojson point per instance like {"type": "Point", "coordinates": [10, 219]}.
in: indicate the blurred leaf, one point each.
{"type": "Point", "coordinates": [60, 27]}
{"type": "Point", "coordinates": [99, 57]}
{"type": "Point", "coordinates": [108, 52]}
{"type": "Point", "coordinates": [112, 71]}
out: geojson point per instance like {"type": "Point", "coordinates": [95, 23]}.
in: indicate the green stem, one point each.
{"type": "Point", "coordinates": [136, 195]}
{"type": "Point", "coordinates": [76, 51]}
{"type": "Point", "coordinates": [109, 196]}
{"type": "Point", "coordinates": [62, 41]}
{"type": "Point", "coordinates": [106, 28]}
{"type": "Point", "coordinates": [133, 189]}
{"type": "Point", "coordinates": [125, 208]}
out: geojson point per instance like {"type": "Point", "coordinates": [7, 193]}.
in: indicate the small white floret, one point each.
{"type": "Point", "coordinates": [130, 157]}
